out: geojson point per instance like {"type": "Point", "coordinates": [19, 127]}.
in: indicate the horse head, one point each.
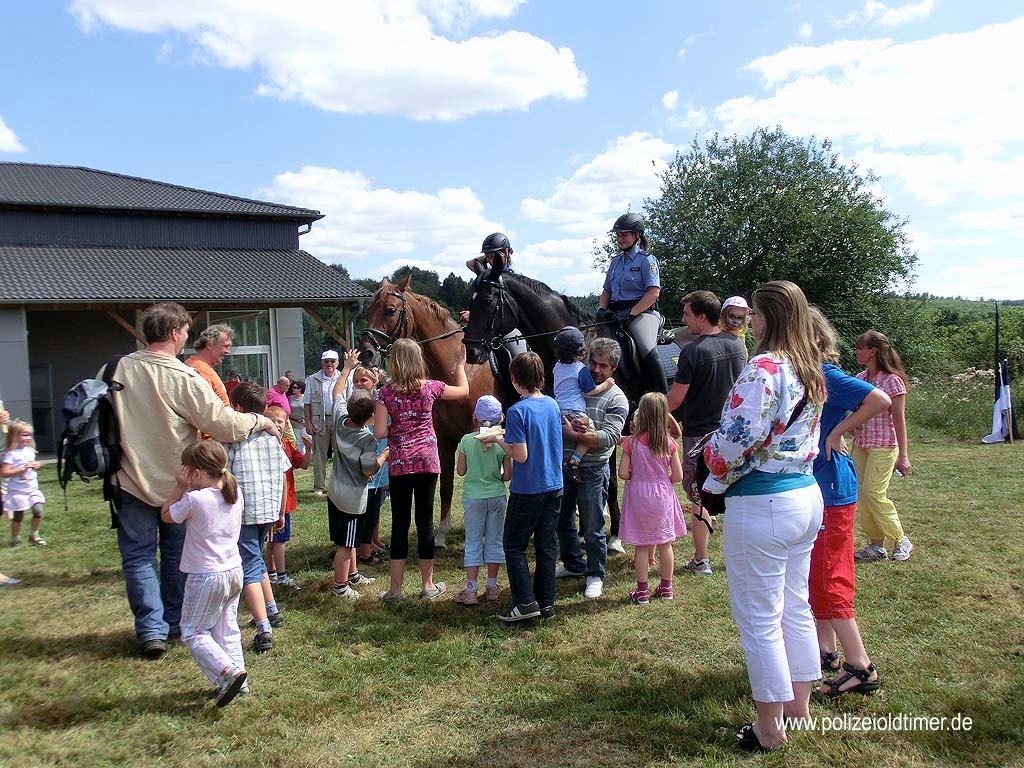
{"type": "Point", "coordinates": [493, 312]}
{"type": "Point", "coordinates": [387, 318]}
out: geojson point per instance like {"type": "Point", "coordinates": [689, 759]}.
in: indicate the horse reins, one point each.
{"type": "Point", "coordinates": [375, 336]}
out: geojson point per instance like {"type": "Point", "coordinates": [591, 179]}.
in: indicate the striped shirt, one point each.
{"type": "Point", "coordinates": [258, 465]}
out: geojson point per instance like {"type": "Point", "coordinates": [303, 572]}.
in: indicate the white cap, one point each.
{"type": "Point", "coordinates": [330, 354]}
{"type": "Point", "coordinates": [736, 301]}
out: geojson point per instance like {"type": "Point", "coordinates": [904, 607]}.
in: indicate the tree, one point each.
{"type": "Point", "coordinates": [424, 282]}
{"type": "Point", "coordinates": [736, 213]}
{"type": "Point", "coordinates": [455, 293]}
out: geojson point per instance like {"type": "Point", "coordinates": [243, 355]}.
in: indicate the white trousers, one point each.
{"type": "Point", "coordinates": [767, 542]}
{"type": "Point", "coordinates": [209, 621]}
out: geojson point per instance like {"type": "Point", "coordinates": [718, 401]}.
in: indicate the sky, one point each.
{"type": "Point", "coordinates": [418, 127]}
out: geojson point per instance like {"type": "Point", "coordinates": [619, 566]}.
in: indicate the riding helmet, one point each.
{"type": "Point", "coordinates": [629, 222]}
{"type": "Point", "coordinates": [570, 339]}
{"type": "Point", "coordinates": [495, 242]}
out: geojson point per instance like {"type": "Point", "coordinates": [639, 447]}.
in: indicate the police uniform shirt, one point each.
{"type": "Point", "coordinates": [631, 274]}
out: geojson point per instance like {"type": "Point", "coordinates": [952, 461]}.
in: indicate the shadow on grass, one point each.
{"type": "Point", "coordinates": [53, 580]}
{"type": "Point", "coordinates": [116, 644]}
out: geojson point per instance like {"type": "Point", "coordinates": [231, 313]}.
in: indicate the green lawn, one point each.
{"type": "Point", "coordinates": [604, 684]}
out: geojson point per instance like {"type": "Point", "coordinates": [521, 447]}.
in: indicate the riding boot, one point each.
{"type": "Point", "coordinates": [653, 373]}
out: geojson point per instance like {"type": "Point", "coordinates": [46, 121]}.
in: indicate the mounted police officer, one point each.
{"type": "Point", "coordinates": [496, 246]}
{"type": "Point", "coordinates": [631, 289]}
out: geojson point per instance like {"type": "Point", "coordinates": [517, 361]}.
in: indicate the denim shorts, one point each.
{"type": "Point", "coordinates": [285, 534]}
{"type": "Point", "coordinates": [250, 546]}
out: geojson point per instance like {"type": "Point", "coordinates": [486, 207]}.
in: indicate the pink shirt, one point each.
{"type": "Point", "coordinates": [211, 531]}
{"type": "Point", "coordinates": [879, 431]}
{"type": "Point", "coordinates": [412, 442]}
{"type": "Point", "coordinates": [276, 398]}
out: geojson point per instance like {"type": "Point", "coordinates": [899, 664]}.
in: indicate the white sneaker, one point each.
{"type": "Point", "coordinates": [561, 572]}
{"type": "Point", "coordinates": [903, 550]}
{"type": "Point", "coordinates": [345, 593]}
{"type": "Point", "coordinates": [595, 587]}
{"type": "Point", "coordinates": [702, 567]}
{"type": "Point", "coordinates": [615, 545]}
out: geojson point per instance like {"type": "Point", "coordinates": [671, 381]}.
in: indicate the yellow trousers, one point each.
{"type": "Point", "coordinates": [878, 516]}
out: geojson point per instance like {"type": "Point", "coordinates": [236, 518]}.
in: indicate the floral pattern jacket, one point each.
{"type": "Point", "coordinates": [753, 434]}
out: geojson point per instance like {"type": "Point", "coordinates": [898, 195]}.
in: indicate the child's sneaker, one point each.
{"type": "Point", "coordinates": [664, 592]}
{"type": "Point", "coordinates": [272, 575]}
{"type": "Point", "coordinates": [702, 567]}
{"type": "Point", "coordinates": [872, 553]}
{"type": "Point", "coordinates": [359, 578]}
{"type": "Point", "coordinates": [903, 550]}
{"type": "Point", "coordinates": [263, 642]}
{"type": "Point", "coordinates": [640, 596]}
{"type": "Point", "coordinates": [37, 541]}
{"type": "Point", "coordinates": [466, 597]}
{"type": "Point", "coordinates": [344, 591]}
{"type": "Point", "coordinates": [232, 685]}
{"type": "Point", "coordinates": [288, 581]}
{"type": "Point", "coordinates": [276, 619]}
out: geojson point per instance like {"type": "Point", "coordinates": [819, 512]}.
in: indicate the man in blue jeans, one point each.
{"type": "Point", "coordinates": [162, 409]}
{"type": "Point", "coordinates": [607, 417]}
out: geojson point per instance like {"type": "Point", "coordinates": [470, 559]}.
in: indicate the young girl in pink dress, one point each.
{"type": "Point", "coordinates": [651, 513]}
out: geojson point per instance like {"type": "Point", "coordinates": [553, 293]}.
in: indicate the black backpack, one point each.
{"type": "Point", "coordinates": [90, 445]}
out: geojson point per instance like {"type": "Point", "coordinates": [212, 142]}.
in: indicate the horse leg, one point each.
{"type": "Point", "coordinates": [446, 452]}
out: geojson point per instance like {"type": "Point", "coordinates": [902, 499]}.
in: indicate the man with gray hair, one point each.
{"type": "Point", "coordinates": [212, 346]}
{"type": "Point", "coordinates": [607, 417]}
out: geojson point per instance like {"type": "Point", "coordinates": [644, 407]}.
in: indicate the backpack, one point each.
{"type": "Point", "coordinates": [90, 445]}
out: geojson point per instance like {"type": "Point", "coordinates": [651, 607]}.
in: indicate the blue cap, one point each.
{"type": "Point", "coordinates": [487, 411]}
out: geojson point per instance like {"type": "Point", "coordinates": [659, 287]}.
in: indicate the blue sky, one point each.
{"type": "Point", "coordinates": [420, 126]}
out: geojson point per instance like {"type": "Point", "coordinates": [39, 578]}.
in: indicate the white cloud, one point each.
{"type": "Point", "coordinates": [894, 17]}
{"type": "Point", "coordinates": [940, 113]}
{"type": "Point", "coordinates": [805, 31]}
{"type": "Point", "coordinates": [372, 231]}
{"type": "Point", "coordinates": [682, 54]}
{"type": "Point", "coordinates": [670, 100]}
{"type": "Point", "coordinates": [1008, 218]}
{"type": "Point", "coordinates": [368, 57]}
{"type": "Point", "coordinates": [607, 185]}
{"type": "Point", "coordinates": [878, 13]}
{"type": "Point", "coordinates": [8, 139]}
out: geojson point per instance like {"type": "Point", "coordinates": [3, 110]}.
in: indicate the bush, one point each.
{"type": "Point", "coordinates": [953, 407]}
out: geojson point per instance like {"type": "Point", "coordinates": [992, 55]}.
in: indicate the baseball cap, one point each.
{"type": "Point", "coordinates": [569, 338]}
{"type": "Point", "coordinates": [330, 354]}
{"type": "Point", "coordinates": [735, 301]}
{"type": "Point", "coordinates": [487, 411]}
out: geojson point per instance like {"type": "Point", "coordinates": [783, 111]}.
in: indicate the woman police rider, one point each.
{"type": "Point", "coordinates": [632, 286]}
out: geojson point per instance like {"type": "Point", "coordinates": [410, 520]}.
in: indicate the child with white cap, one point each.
{"type": "Point", "coordinates": [572, 383]}
{"type": "Point", "coordinates": [486, 468]}
{"type": "Point", "coordinates": [735, 315]}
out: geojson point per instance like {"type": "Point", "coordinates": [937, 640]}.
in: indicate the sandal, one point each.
{"type": "Point", "coordinates": [746, 739]}
{"type": "Point", "coordinates": [832, 686]}
{"type": "Point", "coordinates": [373, 559]}
{"type": "Point", "coordinates": [830, 661]}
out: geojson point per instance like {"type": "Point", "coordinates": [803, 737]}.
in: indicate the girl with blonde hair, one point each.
{"type": "Point", "coordinates": [413, 462]}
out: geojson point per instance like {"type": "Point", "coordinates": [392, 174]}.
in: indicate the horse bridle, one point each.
{"type": "Point", "coordinates": [382, 341]}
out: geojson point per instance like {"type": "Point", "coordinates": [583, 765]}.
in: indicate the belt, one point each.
{"type": "Point", "coordinates": [619, 306]}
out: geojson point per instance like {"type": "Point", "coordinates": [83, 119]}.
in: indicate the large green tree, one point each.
{"type": "Point", "coordinates": [738, 212]}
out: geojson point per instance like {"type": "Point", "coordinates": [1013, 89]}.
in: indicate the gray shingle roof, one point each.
{"type": "Point", "coordinates": [30, 184]}
{"type": "Point", "coordinates": [78, 275]}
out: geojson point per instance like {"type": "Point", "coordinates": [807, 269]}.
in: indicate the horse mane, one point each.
{"type": "Point", "coordinates": [537, 286]}
{"type": "Point", "coordinates": [443, 315]}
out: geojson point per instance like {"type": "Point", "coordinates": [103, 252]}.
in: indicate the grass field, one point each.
{"type": "Point", "coordinates": [604, 684]}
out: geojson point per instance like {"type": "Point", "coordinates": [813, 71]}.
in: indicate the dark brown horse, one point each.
{"type": "Point", "coordinates": [396, 312]}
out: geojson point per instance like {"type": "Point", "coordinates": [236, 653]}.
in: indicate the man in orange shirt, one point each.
{"type": "Point", "coordinates": [212, 346]}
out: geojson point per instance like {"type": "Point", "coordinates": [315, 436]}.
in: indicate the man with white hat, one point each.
{"type": "Point", "coordinates": [318, 406]}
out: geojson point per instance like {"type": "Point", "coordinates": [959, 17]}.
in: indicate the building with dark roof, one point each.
{"type": "Point", "coordinates": [83, 252]}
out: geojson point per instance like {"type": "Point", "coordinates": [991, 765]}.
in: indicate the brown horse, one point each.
{"type": "Point", "coordinates": [396, 312]}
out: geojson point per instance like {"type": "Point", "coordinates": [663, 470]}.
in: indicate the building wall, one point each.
{"type": "Point", "coordinates": [64, 348]}
{"type": "Point", "coordinates": [14, 373]}
{"type": "Point", "coordinates": [125, 230]}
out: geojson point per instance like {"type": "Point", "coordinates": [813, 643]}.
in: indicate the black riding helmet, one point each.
{"type": "Point", "coordinates": [628, 222]}
{"type": "Point", "coordinates": [495, 242]}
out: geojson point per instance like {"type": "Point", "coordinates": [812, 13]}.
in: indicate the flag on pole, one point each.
{"type": "Point", "coordinates": [1004, 420]}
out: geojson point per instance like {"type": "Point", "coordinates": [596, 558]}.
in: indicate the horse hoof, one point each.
{"type": "Point", "coordinates": [440, 542]}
